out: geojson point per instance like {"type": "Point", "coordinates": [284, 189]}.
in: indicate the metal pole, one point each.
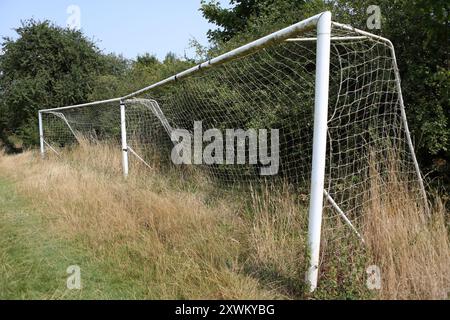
{"type": "Point", "coordinates": [407, 132]}
{"type": "Point", "coordinates": [319, 145]}
{"type": "Point", "coordinates": [83, 105]}
{"type": "Point", "coordinates": [276, 37]}
{"type": "Point", "coordinates": [342, 214]}
{"type": "Point", "coordinates": [41, 134]}
{"type": "Point", "coordinates": [401, 102]}
{"type": "Point", "coordinates": [123, 130]}
{"type": "Point", "coordinates": [263, 42]}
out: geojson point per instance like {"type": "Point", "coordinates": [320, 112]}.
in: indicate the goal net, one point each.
{"type": "Point", "coordinates": [271, 85]}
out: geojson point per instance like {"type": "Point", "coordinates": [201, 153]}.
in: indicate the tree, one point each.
{"type": "Point", "coordinates": [46, 66]}
{"type": "Point", "coordinates": [230, 21]}
{"type": "Point", "coordinates": [122, 76]}
{"type": "Point", "coordinates": [147, 60]}
{"type": "Point", "coordinates": [239, 17]}
{"type": "Point", "coordinates": [417, 28]}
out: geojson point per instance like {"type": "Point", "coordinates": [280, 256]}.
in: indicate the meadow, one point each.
{"type": "Point", "coordinates": [166, 233]}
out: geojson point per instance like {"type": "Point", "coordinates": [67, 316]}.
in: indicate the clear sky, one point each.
{"type": "Point", "coordinates": [129, 27]}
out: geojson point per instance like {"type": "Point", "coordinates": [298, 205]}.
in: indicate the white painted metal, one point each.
{"type": "Point", "coordinates": [342, 214]}
{"type": "Point", "coordinates": [63, 118]}
{"type": "Point", "coordinates": [405, 124]}
{"type": "Point", "coordinates": [41, 134]}
{"type": "Point", "coordinates": [319, 145]}
{"type": "Point", "coordinates": [83, 105]}
{"type": "Point", "coordinates": [332, 39]}
{"type": "Point", "coordinates": [401, 102]}
{"type": "Point", "coordinates": [51, 148]}
{"type": "Point", "coordinates": [123, 131]}
{"type": "Point", "coordinates": [275, 37]}
{"type": "Point", "coordinates": [139, 157]}
{"type": "Point", "coordinates": [153, 106]}
{"type": "Point", "coordinates": [278, 36]}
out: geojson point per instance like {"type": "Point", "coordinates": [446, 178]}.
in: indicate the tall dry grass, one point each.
{"type": "Point", "coordinates": [148, 231]}
{"type": "Point", "coordinates": [408, 243]}
{"type": "Point", "coordinates": [187, 238]}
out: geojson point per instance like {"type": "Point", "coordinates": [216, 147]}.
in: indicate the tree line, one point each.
{"type": "Point", "coordinates": [50, 66]}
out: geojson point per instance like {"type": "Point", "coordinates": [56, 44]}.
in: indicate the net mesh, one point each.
{"type": "Point", "coordinates": [272, 88]}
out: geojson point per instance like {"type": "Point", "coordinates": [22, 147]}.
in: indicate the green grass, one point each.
{"type": "Point", "coordinates": [33, 261]}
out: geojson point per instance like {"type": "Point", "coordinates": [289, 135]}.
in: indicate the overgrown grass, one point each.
{"type": "Point", "coordinates": [33, 261]}
{"type": "Point", "coordinates": [174, 234]}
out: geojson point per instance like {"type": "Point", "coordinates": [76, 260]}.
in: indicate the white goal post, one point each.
{"type": "Point", "coordinates": [361, 110]}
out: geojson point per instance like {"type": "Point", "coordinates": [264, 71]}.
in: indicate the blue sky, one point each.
{"type": "Point", "coordinates": [128, 27]}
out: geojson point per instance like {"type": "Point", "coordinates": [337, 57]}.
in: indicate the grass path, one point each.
{"type": "Point", "coordinates": [33, 261]}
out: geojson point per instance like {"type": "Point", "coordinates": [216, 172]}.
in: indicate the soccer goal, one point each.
{"type": "Point", "coordinates": [332, 91]}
